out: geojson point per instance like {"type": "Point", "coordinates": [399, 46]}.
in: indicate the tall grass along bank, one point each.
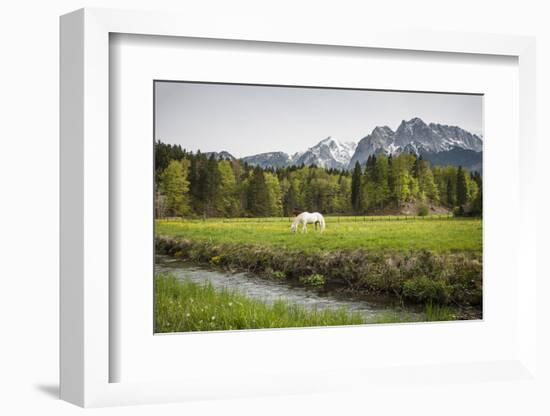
{"type": "Point", "coordinates": [185, 306]}
{"type": "Point", "coordinates": [182, 306]}
{"type": "Point", "coordinates": [418, 276]}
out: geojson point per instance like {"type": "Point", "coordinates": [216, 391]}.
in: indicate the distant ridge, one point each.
{"type": "Point", "coordinates": [440, 144]}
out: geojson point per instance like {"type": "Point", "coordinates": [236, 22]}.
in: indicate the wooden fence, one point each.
{"type": "Point", "coordinates": [329, 218]}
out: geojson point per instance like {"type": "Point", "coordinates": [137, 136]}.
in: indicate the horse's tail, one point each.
{"type": "Point", "coordinates": [322, 222]}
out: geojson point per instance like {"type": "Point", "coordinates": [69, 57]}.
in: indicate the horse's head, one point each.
{"type": "Point", "coordinates": [293, 227]}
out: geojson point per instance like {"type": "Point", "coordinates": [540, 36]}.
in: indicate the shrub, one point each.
{"type": "Point", "coordinates": [216, 260]}
{"type": "Point", "coordinates": [278, 275]}
{"type": "Point", "coordinates": [459, 211]}
{"type": "Point", "coordinates": [423, 210]}
{"type": "Point", "coordinates": [313, 280]}
{"type": "Point", "coordinates": [445, 277]}
{"type": "Point", "coordinates": [438, 313]}
{"type": "Point", "coordinates": [425, 290]}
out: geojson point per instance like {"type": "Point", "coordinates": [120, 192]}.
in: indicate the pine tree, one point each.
{"type": "Point", "coordinates": [382, 192]}
{"type": "Point", "coordinates": [477, 203]}
{"type": "Point", "coordinates": [257, 195]}
{"type": "Point", "coordinates": [212, 181]}
{"type": "Point", "coordinates": [416, 167]}
{"type": "Point", "coordinates": [461, 187]}
{"type": "Point", "coordinates": [450, 193]}
{"type": "Point", "coordinates": [290, 201]}
{"type": "Point", "coordinates": [392, 179]}
{"type": "Point", "coordinates": [199, 183]}
{"type": "Point", "coordinates": [356, 188]}
{"type": "Point", "coordinates": [233, 188]}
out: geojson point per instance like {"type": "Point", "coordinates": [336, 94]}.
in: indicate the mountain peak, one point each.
{"type": "Point", "coordinates": [328, 153]}
{"type": "Point", "coordinates": [221, 155]}
{"type": "Point", "coordinates": [417, 137]}
{"type": "Point", "coordinates": [381, 129]}
{"type": "Point", "coordinates": [268, 159]}
{"type": "Point", "coordinates": [328, 140]}
{"type": "Point", "coordinates": [413, 136]}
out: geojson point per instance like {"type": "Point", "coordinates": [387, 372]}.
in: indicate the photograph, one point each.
{"type": "Point", "coordinates": [283, 206]}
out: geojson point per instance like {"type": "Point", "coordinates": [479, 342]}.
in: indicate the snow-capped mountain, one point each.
{"type": "Point", "coordinates": [435, 137]}
{"type": "Point", "coordinates": [270, 159]}
{"type": "Point", "coordinates": [223, 155]}
{"type": "Point", "coordinates": [428, 140]}
{"type": "Point", "coordinates": [438, 143]}
{"type": "Point", "coordinates": [379, 141]}
{"type": "Point", "coordinates": [328, 153]}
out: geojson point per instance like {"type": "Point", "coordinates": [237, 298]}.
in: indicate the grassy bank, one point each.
{"type": "Point", "coordinates": [183, 306]}
{"type": "Point", "coordinates": [392, 234]}
{"type": "Point", "coordinates": [187, 306]}
{"type": "Point", "coordinates": [419, 276]}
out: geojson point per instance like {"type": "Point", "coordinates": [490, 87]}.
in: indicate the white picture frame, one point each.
{"type": "Point", "coordinates": [85, 352]}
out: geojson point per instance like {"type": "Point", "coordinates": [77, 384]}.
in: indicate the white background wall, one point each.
{"type": "Point", "coordinates": [29, 206]}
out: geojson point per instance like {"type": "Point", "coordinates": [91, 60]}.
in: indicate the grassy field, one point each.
{"type": "Point", "coordinates": [383, 234]}
{"type": "Point", "coordinates": [182, 306]}
{"type": "Point", "coordinates": [188, 306]}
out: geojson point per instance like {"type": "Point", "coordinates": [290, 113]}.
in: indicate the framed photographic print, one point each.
{"type": "Point", "coordinates": [242, 172]}
{"type": "Point", "coordinates": [268, 213]}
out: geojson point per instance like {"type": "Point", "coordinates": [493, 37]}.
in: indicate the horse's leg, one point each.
{"type": "Point", "coordinates": [304, 228]}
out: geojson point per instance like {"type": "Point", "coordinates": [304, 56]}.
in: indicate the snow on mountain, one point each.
{"type": "Point", "coordinates": [435, 137]}
{"type": "Point", "coordinates": [328, 153]}
{"type": "Point", "coordinates": [270, 159]}
{"type": "Point", "coordinates": [223, 155]}
{"type": "Point", "coordinates": [437, 143]}
{"type": "Point", "coordinates": [379, 141]}
{"type": "Point", "coordinates": [415, 136]}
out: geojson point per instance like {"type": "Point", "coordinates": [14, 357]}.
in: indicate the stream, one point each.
{"type": "Point", "coordinates": [269, 291]}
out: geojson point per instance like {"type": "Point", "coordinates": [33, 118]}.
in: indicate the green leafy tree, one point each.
{"type": "Point", "coordinates": [275, 205]}
{"type": "Point", "coordinates": [202, 185]}
{"type": "Point", "coordinates": [174, 186]}
{"type": "Point", "coordinates": [414, 189]}
{"type": "Point", "coordinates": [402, 188]}
{"type": "Point", "coordinates": [227, 201]}
{"type": "Point", "coordinates": [428, 186]}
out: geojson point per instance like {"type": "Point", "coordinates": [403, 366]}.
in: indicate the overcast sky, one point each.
{"type": "Point", "coordinates": [246, 120]}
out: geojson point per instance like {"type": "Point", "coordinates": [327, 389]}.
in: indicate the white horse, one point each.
{"type": "Point", "coordinates": [306, 218]}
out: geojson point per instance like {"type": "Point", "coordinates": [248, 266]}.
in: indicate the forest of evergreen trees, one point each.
{"type": "Point", "coordinates": [193, 184]}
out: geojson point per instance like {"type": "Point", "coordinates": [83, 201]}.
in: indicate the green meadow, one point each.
{"type": "Point", "coordinates": [386, 234]}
